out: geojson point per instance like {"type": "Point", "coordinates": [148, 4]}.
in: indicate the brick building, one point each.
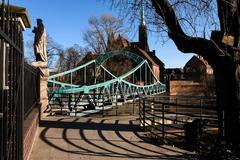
{"type": "Point", "coordinates": [140, 47]}
{"type": "Point", "coordinates": [195, 79]}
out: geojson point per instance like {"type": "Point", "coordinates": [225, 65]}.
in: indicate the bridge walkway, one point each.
{"type": "Point", "coordinates": [71, 138]}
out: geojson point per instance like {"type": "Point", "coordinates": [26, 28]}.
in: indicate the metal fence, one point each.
{"type": "Point", "coordinates": [11, 85]}
{"type": "Point", "coordinates": [168, 116]}
{"type": "Point", "coordinates": [31, 88]}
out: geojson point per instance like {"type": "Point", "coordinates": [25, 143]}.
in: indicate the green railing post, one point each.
{"type": "Point", "coordinates": [145, 74]}
{"type": "Point", "coordinates": [103, 105]}
{"type": "Point", "coordinates": [71, 80]}
{"type": "Point", "coordinates": [133, 105]}
{"type": "Point", "coordinates": [140, 79]}
{"type": "Point", "coordinates": [104, 75]}
{"type": "Point", "coordinates": [95, 80]}
{"type": "Point", "coordinates": [116, 104]}
{"type": "Point", "coordinates": [84, 76]}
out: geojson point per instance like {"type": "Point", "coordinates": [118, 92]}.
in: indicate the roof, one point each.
{"type": "Point", "coordinates": [155, 58]}
{"type": "Point", "coordinates": [194, 62]}
{"type": "Point", "coordinates": [114, 44]}
{"type": "Point", "coordinates": [20, 12]}
{"type": "Point", "coordinates": [148, 55]}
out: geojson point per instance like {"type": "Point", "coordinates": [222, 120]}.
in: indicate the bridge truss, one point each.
{"type": "Point", "coordinates": [99, 86]}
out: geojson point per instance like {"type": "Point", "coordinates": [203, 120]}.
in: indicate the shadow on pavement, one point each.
{"type": "Point", "coordinates": [118, 145]}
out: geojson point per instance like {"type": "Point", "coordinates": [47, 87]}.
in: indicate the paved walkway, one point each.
{"type": "Point", "coordinates": [111, 138]}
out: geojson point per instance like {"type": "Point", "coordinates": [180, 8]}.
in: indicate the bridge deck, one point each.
{"type": "Point", "coordinates": [68, 138]}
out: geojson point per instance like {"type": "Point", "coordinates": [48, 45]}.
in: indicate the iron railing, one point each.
{"type": "Point", "coordinates": [31, 88]}
{"type": "Point", "coordinates": [167, 116]}
{"type": "Point", "coordinates": [11, 85]}
{"type": "Point", "coordinates": [14, 102]}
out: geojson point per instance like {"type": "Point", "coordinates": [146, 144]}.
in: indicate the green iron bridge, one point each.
{"type": "Point", "coordinates": [105, 88]}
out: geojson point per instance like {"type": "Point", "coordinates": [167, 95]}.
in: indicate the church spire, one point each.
{"type": "Point", "coordinates": [142, 14]}
{"type": "Point", "coordinates": [142, 35]}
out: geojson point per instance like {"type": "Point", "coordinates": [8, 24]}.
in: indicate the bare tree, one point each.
{"type": "Point", "coordinates": [69, 59]}
{"type": "Point", "coordinates": [54, 49]}
{"type": "Point", "coordinates": [73, 57]}
{"type": "Point", "coordinates": [96, 36]}
{"type": "Point", "coordinates": [189, 25]}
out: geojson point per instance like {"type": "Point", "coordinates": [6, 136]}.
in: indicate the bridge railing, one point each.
{"type": "Point", "coordinates": [171, 116]}
{"type": "Point", "coordinates": [106, 104]}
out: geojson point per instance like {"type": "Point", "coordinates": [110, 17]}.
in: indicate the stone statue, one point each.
{"type": "Point", "coordinates": [41, 64]}
{"type": "Point", "coordinates": [40, 42]}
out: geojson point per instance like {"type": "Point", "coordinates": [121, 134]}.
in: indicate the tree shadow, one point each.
{"type": "Point", "coordinates": [104, 146]}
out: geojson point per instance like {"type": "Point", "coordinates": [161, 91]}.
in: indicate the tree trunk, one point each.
{"type": "Point", "coordinates": [228, 103]}
{"type": "Point", "coordinates": [224, 57]}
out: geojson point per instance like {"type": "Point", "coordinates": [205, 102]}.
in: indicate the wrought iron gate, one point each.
{"type": "Point", "coordinates": [11, 88]}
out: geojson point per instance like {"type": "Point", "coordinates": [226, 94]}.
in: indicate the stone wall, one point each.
{"type": "Point", "coordinates": [30, 127]}
{"type": "Point", "coordinates": [185, 87]}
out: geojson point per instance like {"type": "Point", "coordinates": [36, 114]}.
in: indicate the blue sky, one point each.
{"type": "Point", "coordinates": [65, 21]}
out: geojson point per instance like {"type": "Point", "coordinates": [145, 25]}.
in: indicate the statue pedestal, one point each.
{"type": "Point", "coordinates": [44, 74]}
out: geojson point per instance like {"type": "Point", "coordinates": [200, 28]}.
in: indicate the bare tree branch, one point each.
{"type": "Point", "coordinates": [184, 43]}
{"type": "Point", "coordinates": [100, 29]}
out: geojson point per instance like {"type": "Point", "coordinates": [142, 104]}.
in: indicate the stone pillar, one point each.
{"type": "Point", "coordinates": [44, 74]}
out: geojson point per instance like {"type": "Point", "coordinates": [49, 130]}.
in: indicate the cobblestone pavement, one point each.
{"type": "Point", "coordinates": [110, 138]}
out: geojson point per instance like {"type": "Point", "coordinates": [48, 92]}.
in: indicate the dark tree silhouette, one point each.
{"type": "Point", "coordinates": [221, 50]}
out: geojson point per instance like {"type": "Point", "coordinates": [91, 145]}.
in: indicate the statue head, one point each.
{"type": "Point", "coordinates": [39, 21]}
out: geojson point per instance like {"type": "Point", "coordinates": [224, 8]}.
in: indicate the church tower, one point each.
{"type": "Point", "coordinates": [142, 35]}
